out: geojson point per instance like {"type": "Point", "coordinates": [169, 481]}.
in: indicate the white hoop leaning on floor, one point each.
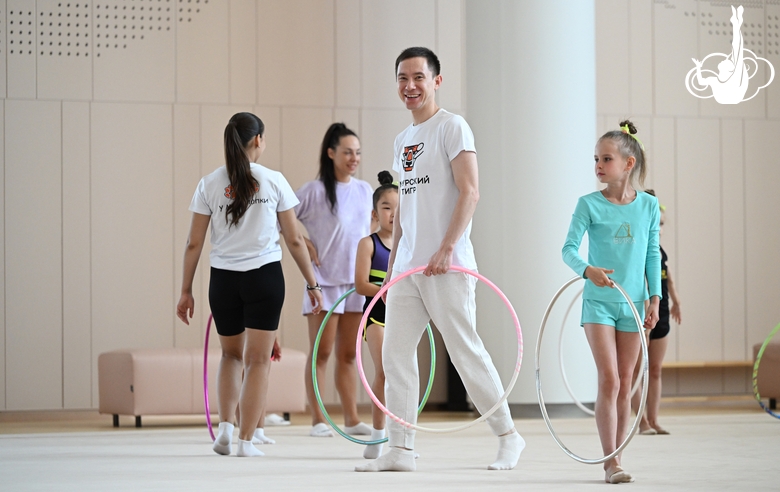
{"type": "Point", "coordinates": [645, 376]}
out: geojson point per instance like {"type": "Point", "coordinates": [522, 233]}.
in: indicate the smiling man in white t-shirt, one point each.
{"type": "Point", "coordinates": [439, 189]}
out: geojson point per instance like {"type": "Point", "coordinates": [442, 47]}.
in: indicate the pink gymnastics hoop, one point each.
{"type": "Point", "coordinates": [206, 379]}
{"type": "Point", "coordinates": [367, 386]}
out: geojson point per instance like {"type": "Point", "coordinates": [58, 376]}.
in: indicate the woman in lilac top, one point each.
{"type": "Point", "coordinates": [336, 211]}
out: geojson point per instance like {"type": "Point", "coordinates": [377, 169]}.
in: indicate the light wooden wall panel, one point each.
{"type": "Point", "coordinates": [733, 255]}
{"type": "Point", "coordinates": [243, 52]}
{"type": "Point", "coordinates": [63, 51]}
{"type": "Point", "coordinates": [202, 53]}
{"type": "Point", "coordinates": [380, 128]}
{"type": "Point", "coordinates": [762, 228]}
{"type": "Point", "coordinates": [297, 65]}
{"type": "Point", "coordinates": [76, 254]}
{"type": "Point", "coordinates": [2, 254]}
{"type": "Point", "coordinates": [302, 133]}
{"type": "Point", "coordinates": [20, 43]}
{"type": "Point", "coordinates": [132, 227]}
{"type": "Point", "coordinates": [613, 41]}
{"type": "Point", "coordinates": [640, 45]}
{"type": "Point", "coordinates": [675, 37]}
{"type": "Point", "coordinates": [134, 59]}
{"type": "Point", "coordinates": [33, 255]}
{"type": "Point", "coordinates": [449, 49]}
{"type": "Point", "coordinates": [186, 175]}
{"type": "Point", "coordinates": [662, 161]}
{"type": "Point", "coordinates": [388, 28]}
{"type": "Point", "coordinates": [699, 237]}
{"type": "Point", "coordinates": [349, 69]}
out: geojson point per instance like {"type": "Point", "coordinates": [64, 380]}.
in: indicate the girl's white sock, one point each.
{"type": "Point", "coordinates": [373, 451]}
{"type": "Point", "coordinates": [222, 443]}
{"type": "Point", "coordinates": [246, 448]}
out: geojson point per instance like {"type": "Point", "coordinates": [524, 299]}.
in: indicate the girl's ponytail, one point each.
{"type": "Point", "coordinates": [240, 130]}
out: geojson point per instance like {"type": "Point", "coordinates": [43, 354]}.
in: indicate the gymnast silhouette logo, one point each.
{"type": "Point", "coordinates": [411, 153]}
{"type": "Point", "coordinates": [730, 84]}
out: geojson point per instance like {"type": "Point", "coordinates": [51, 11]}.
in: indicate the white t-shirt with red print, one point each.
{"type": "Point", "coordinates": [254, 241]}
{"type": "Point", "coordinates": [427, 191]}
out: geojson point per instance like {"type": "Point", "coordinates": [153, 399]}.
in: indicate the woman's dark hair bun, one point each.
{"type": "Point", "coordinates": [385, 178]}
{"type": "Point", "coordinates": [631, 127]}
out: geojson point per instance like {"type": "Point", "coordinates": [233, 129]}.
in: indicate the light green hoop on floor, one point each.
{"type": "Point", "coordinates": [317, 388]}
{"type": "Point", "coordinates": [755, 372]}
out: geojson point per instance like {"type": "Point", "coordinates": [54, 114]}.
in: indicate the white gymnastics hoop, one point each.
{"type": "Point", "coordinates": [637, 383]}
{"type": "Point", "coordinates": [399, 420]}
{"type": "Point", "coordinates": [645, 376]}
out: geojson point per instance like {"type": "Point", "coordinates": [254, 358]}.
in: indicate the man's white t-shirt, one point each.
{"type": "Point", "coordinates": [427, 191]}
{"type": "Point", "coordinates": [254, 241]}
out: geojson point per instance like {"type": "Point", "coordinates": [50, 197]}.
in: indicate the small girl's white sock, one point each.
{"type": "Point", "coordinates": [509, 448]}
{"type": "Point", "coordinates": [396, 460]}
{"type": "Point", "coordinates": [224, 438]}
{"type": "Point", "coordinates": [260, 438]}
{"type": "Point", "coordinates": [360, 429]}
{"type": "Point", "coordinates": [246, 448]}
{"type": "Point", "coordinates": [373, 451]}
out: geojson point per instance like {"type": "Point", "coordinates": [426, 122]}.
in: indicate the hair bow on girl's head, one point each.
{"type": "Point", "coordinates": [626, 130]}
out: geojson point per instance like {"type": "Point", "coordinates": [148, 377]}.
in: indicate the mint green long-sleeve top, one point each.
{"type": "Point", "coordinates": [620, 237]}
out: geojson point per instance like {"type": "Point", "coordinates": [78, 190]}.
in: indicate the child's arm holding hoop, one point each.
{"type": "Point", "coordinates": [580, 221]}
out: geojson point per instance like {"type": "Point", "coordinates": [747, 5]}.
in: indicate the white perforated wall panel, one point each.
{"type": "Point", "coordinates": [134, 56]}
{"type": "Point", "coordinates": [20, 46]}
{"type": "Point", "coordinates": [243, 52]}
{"type": "Point", "coordinates": [63, 49]}
{"type": "Point", "coordinates": [202, 58]}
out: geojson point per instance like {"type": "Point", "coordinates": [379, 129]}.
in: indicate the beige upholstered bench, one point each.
{"type": "Point", "coordinates": [170, 382]}
{"type": "Point", "coordinates": [769, 372]}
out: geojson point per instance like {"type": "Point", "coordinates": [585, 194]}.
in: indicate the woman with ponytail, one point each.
{"type": "Point", "coordinates": [336, 210]}
{"type": "Point", "coordinates": [246, 288]}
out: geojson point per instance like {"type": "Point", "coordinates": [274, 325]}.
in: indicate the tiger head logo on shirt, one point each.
{"type": "Point", "coordinates": [231, 193]}
{"type": "Point", "coordinates": [411, 153]}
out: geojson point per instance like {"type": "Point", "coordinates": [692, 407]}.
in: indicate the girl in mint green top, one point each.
{"type": "Point", "coordinates": [622, 225]}
{"type": "Point", "coordinates": [623, 238]}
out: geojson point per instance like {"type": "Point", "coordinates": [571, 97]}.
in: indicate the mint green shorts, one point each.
{"type": "Point", "coordinates": [617, 314]}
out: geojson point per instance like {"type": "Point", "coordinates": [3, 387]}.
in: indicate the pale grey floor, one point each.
{"type": "Point", "coordinates": [707, 452]}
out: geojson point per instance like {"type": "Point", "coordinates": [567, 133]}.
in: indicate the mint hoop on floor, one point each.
{"type": "Point", "coordinates": [206, 378]}
{"type": "Point", "coordinates": [576, 400]}
{"type": "Point", "coordinates": [500, 401]}
{"type": "Point", "coordinates": [755, 373]}
{"type": "Point", "coordinates": [360, 365]}
{"type": "Point", "coordinates": [645, 376]}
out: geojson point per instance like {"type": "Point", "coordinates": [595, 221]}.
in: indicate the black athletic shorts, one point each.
{"type": "Point", "coordinates": [661, 329]}
{"type": "Point", "coordinates": [250, 299]}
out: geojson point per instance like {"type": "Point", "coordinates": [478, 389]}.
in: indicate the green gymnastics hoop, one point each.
{"type": "Point", "coordinates": [755, 373]}
{"type": "Point", "coordinates": [317, 388]}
